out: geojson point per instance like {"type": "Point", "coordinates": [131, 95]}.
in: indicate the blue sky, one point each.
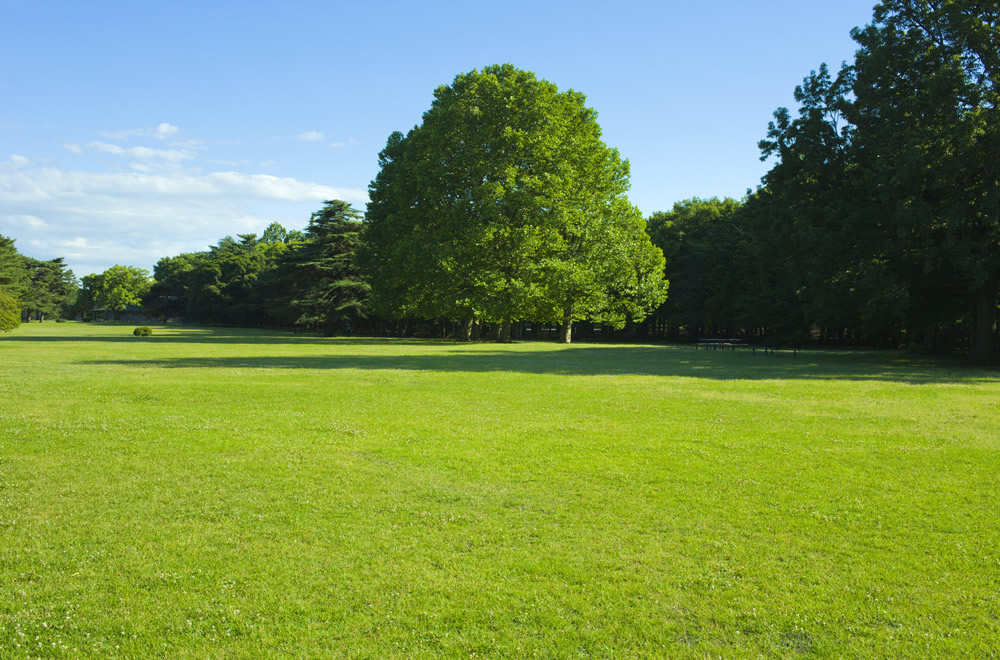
{"type": "Point", "coordinates": [134, 131]}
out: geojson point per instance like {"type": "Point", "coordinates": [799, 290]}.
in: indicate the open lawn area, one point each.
{"type": "Point", "coordinates": [235, 493]}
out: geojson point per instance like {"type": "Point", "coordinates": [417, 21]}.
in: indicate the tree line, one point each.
{"type": "Point", "coordinates": [877, 224]}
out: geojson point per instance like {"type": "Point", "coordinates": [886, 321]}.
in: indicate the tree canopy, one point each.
{"type": "Point", "coordinates": [505, 204]}
{"type": "Point", "coordinates": [116, 289]}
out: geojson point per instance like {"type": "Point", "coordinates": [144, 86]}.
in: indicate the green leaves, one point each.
{"type": "Point", "coordinates": [10, 312]}
{"type": "Point", "coordinates": [331, 292]}
{"type": "Point", "coordinates": [497, 207]}
{"type": "Point", "coordinates": [119, 287]}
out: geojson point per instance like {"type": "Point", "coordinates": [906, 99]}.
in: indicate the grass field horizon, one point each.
{"type": "Point", "coordinates": [217, 492]}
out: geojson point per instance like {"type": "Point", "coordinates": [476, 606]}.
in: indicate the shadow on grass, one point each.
{"type": "Point", "coordinates": [605, 360]}
{"type": "Point", "coordinates": [215, 336]}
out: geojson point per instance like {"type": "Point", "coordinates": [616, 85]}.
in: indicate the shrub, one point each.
{"type": "Point", "coordinates": [143, 331]}
{"type": "Point", "coordinates": [10, 312]}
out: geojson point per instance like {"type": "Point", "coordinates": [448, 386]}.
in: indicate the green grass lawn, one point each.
{"type": "Point", "coordinates": [234, 493]}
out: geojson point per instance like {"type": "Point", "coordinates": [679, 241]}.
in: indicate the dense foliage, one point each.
{"type": "Point", "coordinates": [504, 204]}
{"type": "Point", "coordinates": [281, 279]}
{"type": "Point", "coordinates": [331, 294]}
{"type": "Point", "coordinates": [41, 289]}
{"type": "Point", "coordinates": [10, 312]}
{"type": "Point", "coordinates": [879, 221]}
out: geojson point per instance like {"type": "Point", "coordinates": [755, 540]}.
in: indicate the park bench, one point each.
{"type": "Point", "coordinates": [735, 342]}
{"type": "Point", "coordinates": [772, 349]}
{"type": "Point", "coordinates": [716, 344]}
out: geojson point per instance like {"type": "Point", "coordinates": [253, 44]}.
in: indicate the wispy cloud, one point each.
{"type": "Point", "coordinates": [228, 163]}
{"type": "Point", "coordinates": [29, 221]}
{"type": "Point", "coordinates": [74, 147]}
{"type": "Point", "coordinates": [144, 153]}
{"type": "Point", "coordinates": [310, 136]}
{"type": "Point", "coordinates": [17, 160]}
{"type": "Point", "coordinates": [348, 143]}
{"type": "Point", "coordinates": [161, 131]}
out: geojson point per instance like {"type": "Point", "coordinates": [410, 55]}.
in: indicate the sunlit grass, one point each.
{"type": "Point", "coordinates": [217, 493]}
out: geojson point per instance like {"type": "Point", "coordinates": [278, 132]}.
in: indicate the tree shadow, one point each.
{"type": "Point", "coordinates": [215, 336]}
{"type": "Point", "coordinates": [605, 360]}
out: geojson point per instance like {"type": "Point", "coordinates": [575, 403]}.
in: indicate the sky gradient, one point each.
{"type": "Point", "coordinates": [135, 131]}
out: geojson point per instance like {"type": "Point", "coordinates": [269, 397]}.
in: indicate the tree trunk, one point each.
{"type": "Point", "coordinates": [566, 329]}
{"type": "Point", "coordinates": [503, 332]}
{"type": "Point", "coordinates": [466, 330]}
{"type": "Point", "coordinates": [984, 332]}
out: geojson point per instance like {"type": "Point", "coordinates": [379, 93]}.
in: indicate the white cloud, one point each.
{"type": "Point", "coordinates": [74, 147]}
{"type": "Point", "coordinates": [165, 130]}
{"type": "Point", "coordinates": [338, 145]}
{"type": "Point", "coordinates": [18, 160]}
{"type": "Point", "coordinates": [161, 132]}
{"type": "Point", "coordinates": [49, 183]}
{"type": "Point", "coordinates": [310, 136]}
{"type": "Point", "coordinates": [98, 219]}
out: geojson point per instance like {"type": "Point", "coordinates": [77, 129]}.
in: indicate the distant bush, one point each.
{"type": "Point", "coordinates": [10, 312]}
{"type": "Point", "coordinates": [143, 331]}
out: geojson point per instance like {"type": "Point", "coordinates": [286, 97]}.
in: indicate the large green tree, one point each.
{"type": "Point", "coordinates": [504, 204]}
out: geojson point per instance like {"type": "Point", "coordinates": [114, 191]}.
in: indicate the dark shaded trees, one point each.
{"type": "Point", "coordinates": [699, 241]}
{"type": "Point", "coordinates": [927, 145]}
{"type": "Point", "coordinates": [879, 221]}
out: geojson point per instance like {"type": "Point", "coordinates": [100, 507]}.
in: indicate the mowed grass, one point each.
{"type": "Point", "coordinates": [233, 493]}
